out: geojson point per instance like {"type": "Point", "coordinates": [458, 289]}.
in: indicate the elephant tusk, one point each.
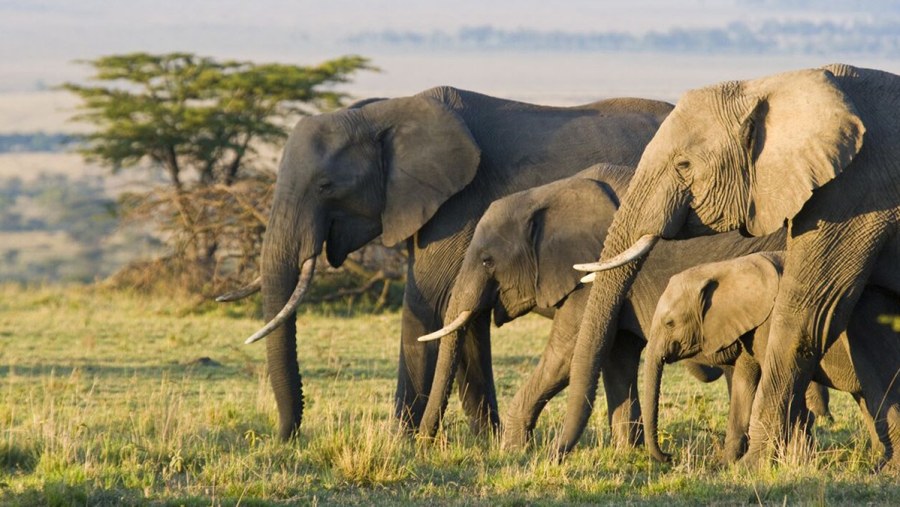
{"type": "Point", "coordinates": [251, 288]}
{"type": "Point", "coordinates": [588, 278]}
{"type": "Point", "coordinates": [444, 331]}
{"type": "Point", "coordinates": [640, 248]}
{"type": "Point", "coordinates": [306, 275]}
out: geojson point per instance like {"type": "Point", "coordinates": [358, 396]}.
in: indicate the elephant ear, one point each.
{"type": "Point", "coordinates": [737, 296]}
{"type": "Point", "coordinates": [802, 131]}
{"type": "Point", "coordinates": [569, 227]}
{"type": "Point", "coordinates": [428, 155]}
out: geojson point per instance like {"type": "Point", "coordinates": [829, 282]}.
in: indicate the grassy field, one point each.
{"type": "Point", "coordinates": [115, 398]}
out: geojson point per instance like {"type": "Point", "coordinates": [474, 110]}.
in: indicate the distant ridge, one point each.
{"type": "Point", "coordinates": [870, 37]}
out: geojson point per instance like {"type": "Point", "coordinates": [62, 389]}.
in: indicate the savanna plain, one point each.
{"type": "Point", "coordinates": [110, 397]}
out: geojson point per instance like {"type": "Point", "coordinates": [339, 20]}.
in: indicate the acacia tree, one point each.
{"type": "Point", "coordinates": [205, 122]}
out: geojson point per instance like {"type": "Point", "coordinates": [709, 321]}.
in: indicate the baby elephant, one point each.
{"type": "Point", "coordinates": [718, 313]}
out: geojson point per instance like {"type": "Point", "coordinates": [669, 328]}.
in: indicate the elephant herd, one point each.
{"type": "Point", "coordinates": [751, 230]}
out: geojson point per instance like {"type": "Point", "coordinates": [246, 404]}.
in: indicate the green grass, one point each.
{"type": "Point", "coordinates": [105, 399]}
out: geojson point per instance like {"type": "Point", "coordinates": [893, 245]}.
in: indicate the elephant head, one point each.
{"type": "Point", "coordinates": [381, 167]}
{"type": "Point", "coordinates": [738, 155]}
{"type": "Point", "coordinates": [520, 258]}
{"type": "Point", "coordinates": [704, 311]}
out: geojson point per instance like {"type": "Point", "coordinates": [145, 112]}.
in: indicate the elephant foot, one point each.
{"type": "Point", "coordinates": [730, 457]}
{"type": "Point", "coordinates": [888, 466]}
{"type": "Point", "coordinates": [628, 435]}
{"type": "Point", "coordinates": [752, 460]}
{"type": "Point", "coordinates": [661, 457]}
{"type": "Point", "coordinates": [515, 435]}
{"type": "Point", "coordinates": [483, 426]}
{"type": "Point", "coordinates": [734, 450]}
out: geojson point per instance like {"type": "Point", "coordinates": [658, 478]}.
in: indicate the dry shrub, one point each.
{"type": "Point", "coordinates": [215, 233]}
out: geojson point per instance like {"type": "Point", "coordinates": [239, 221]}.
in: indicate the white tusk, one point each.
{"type": "Point", "coordinates": [640, 248]}
{"type": "Point", "coordinates": [588, 278]}
{"type": "Point", "coordinates": [306, 275]}
{"type": "Point", "coordinates": [251, 288]}
{"type": "Point", "coordinates": [444, 331]}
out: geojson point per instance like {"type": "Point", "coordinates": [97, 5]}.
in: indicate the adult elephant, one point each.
{"type": "Point", "coordinates": [419, 169]}
{"type": "Point", "coordinates": [718, 313]}
{"type": "Point", "coordinates": [520, 260]}
{"type": "Point", "coordinates": [751, 155]}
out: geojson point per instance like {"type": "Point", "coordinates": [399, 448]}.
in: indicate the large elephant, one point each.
{"type": "Point", "coordinates": [751, 155]}
{"type": "Point", "coordinates": [718, 313]}
{"type": "Point", "coordinates": [520, 259]}
{"type": "Point", "coordinates": [420, 169]}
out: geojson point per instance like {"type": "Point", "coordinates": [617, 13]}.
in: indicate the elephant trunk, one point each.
{"type": "Point", "coordinates": [652, 380]}
{"type": "Point", "coordinates": [592, 346]}
{"type": "Point", "coordinates": [287, 245]}
{"type": "Point", "coordinates": [652, 208]}
{"type": "Point", "coordinates": [468, 293]}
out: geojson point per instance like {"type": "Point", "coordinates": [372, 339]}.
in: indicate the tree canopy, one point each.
{"type": "Point", "coordinates": [203, 120]}
{"type": "Point", "coordinates": [192, 113]}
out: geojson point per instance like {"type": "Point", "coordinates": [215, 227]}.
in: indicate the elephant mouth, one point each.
{"type": "Point", "coordinates": [505, 312]}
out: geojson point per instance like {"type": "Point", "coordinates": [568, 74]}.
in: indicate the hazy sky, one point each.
{"type": "Point", "coordinates": [40, 38]}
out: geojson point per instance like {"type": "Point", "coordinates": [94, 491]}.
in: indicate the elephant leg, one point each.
{"type": "Point", "coordinates": [817, 398]}
{"type": "Point", "coordinates": [620, 379]}
{"type": "Point", "coordinates": [549, 378]}
{"type": "Point", "coordinates": [417, 359]}
{"type": "Point", "coordinates": [874, 434]}
{"type": "Point", "coordinates": [801, 418]}
{"type": "Point", "coordinates": [424, 302]}
{"type": "Point", "coordinates": [818, 291]}
{"type": "Point", "coordinates": [880, 393]}
{"type": "Point", "coordinates": [475, 376]}
{"type": "Point", "coordinates": [744, 381]}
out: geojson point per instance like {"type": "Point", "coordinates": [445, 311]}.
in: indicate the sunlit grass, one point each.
{"type": "Point", "coordinates": [115, 398]}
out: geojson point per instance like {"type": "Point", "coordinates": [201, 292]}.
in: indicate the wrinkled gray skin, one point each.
{"type": "Point", "coordinates": [520, 260]}
{"type": "Point", "coordinates": [422, 169]}
{"type": "Point", "coordinates": [718, 313]}
{"type": "Point", "coordinates": [750, 155]}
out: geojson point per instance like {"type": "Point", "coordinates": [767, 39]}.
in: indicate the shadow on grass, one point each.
{"type": "Point", "coordinates": [18, 458]}
{"type": "Point", "coordinates": [206, 368]}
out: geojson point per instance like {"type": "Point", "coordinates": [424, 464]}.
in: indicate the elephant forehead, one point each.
{"type": "Point", "coordinates": [325, 132]}
{"type": "Point", "coordinates": [712, 107]}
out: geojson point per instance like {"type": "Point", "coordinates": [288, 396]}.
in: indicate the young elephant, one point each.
{"type": "Point", "coordinates": [520, 260]}
{"type": "Point", "coordinates": [719, 313]}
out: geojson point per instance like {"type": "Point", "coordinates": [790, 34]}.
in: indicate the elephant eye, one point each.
{"type": "Point", "coordinates": [487, 262]}
{"type": "Point", "coordinates": [749, 134]}
{"type": "Point", "coordinates": [325, 186]}
{"type": "Point", "coordinates": [669, 323]}
{"type": "Point", "coordinates": [683, 169]}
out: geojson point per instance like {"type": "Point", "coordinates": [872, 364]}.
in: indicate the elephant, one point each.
{"type": "Point", "coordinates": [718, 313]}
{"type": "Point", "coordinates": [520, 260]}
{"type": "Point", "coordinates": [420, 169]}
{"type": "Point", "coordinates": [818, 149]}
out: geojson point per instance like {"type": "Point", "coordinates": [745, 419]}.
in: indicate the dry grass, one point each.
{"type": "Point", "coordinates": [105, 398]}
